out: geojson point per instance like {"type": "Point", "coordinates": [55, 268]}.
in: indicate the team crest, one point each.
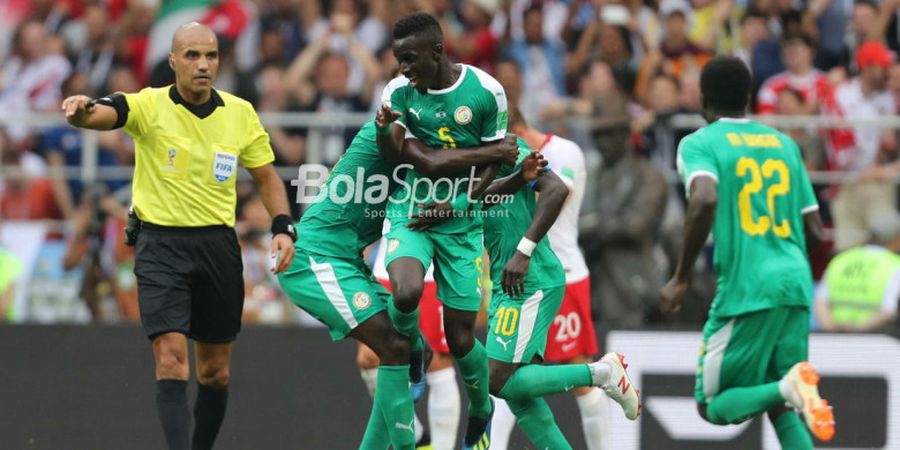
{"type": "Point", "coordinates": [223, 166]}
{"type": "Point", "coordinates": [392, 245]}
{"type": "Point", "coordinates": [463, 115]}
{"type": "Point", "coordinates": [361, 300]}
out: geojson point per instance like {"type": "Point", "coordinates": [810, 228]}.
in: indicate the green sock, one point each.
{"type": "Point", "coordinates": [474, 371]}
{"type": "Point", "coordinates": [736, 405]}
{"type": "Point", "coordinates": [376, 436]}
{"type": "Point", "coordinates": [396, 403]}
{"type": "Point", "coordinates": [536, 420]}
{"type": "Point", "coordinates": [537, 381]}
{"type": "Point", "coordinates": [407, 324]}
{"type": "Point", "coordinates": [792, 432]}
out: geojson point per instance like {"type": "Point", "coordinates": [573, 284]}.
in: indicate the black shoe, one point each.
{"type": "Point", "coordinates": [478, 432]}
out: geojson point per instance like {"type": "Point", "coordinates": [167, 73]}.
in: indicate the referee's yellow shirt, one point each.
{"type": "Point", "coordinates": [186, 156]}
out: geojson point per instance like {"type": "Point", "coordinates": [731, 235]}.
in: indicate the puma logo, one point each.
{"type": "Point", "coordinates": [504, 344]}
{"type": "Point", "coordinates": [402, 426]}
{"type": "Point", "coordinates": [473, 385]}
{"type": "Point", "coordinates": [416, 113]}
{"type": "Point", "coordinates": [569, 346]}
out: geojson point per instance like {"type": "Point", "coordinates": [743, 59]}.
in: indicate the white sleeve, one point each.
{"type": "Point", "coordinates": [566, 160]}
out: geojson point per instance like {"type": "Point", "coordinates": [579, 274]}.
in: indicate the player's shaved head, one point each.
{"type": "Point", "coordinates": [193, 33]}
{"type": "Point", "coordinates": [725, 84]}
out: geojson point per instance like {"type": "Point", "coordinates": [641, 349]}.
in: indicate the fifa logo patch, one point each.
{"type": "Point", "coordinates": [172, 153]}
{"type": "Point", "coordinates": [392, 245]}
{"type": "Point", "coordinates": [223, 166]}
{"type": "Point", "coordinates": [463, 115]}
{"type": "Point", "coordinates": [361, 300]}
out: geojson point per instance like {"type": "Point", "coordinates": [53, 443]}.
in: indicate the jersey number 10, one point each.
{"type": "Point", "coordinates": [765, 221]}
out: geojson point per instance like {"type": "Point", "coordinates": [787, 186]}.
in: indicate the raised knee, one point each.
{"type": "Point", "coordinates": [407, 294]}
{"type": "Point", "coordinates": [213, 376]}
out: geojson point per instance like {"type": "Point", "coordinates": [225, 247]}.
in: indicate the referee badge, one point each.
{"type": "Point", "coordinates": [361, 300]}
{"type": "Point", "coordinates": [224, 166]}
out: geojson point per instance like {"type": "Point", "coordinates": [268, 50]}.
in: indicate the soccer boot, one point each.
{"type": "Point", "coordinates": [800, 387]}
{"type": "Point", "coordinates": [616, 384]}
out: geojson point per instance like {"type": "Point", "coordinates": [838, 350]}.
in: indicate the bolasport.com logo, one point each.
{"type": "Point", "coordinates": [378, 191]}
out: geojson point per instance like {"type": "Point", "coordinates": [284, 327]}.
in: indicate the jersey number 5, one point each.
{"type": "Point", "coordinates": [769, 168]}
{"type": "Point", "coordinates": [444, 135]}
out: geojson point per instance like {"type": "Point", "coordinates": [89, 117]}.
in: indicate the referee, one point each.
{"type": "Point", "coordinates": [189, 139]}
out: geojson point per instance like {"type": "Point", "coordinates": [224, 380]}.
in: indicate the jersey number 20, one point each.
{"type": "Point", "coordinates": [762, 225]}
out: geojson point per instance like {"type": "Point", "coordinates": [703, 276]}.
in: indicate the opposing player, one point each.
{"type": "Point", "coordinates": [443, 392]}
{"type": "Point", "coordinates": [571, 339]}
{"type": "Point", "coordinates": [529, 283]}
{"type": "Point", "coordinates": [330, 280]}
{"type": "Point", "coordinates": [747, 183]}
{"type": "Point", "coordinates": [447, 106]}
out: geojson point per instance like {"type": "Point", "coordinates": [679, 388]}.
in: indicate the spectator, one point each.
{"type": "Point", "coordinates": [863, 25]}
{"type": "Point", "coordinates": [659, 140]}
{"type": "Point", "coordinates": [752, 31]}
{"type": "Point", "coordinates": [288, 143]}
{"type": "Point", "coordinates": [541, 61]}
{"type": "Point", "coordinates": [679, 53]}
{"type": "Point", "coordinates": [94, 56]}
{"type": "Point", "coordinates": [894, 85]}
{"type": "Point", "coordinates": [284, 25]}
{"type": "Point", "coordinates": [811, 83]}
{"type": "Point", "coordinates": [24, 197]}
{"type": "Point", "coordinates": [812, 146]}
{"type": "Point", "coordinates": [319, 80]}
{"type": "Point", "coordinates": [351, 18]}
{"type": "Point", "coordinates": [712, 22]}
{"type": "Point", "coordinates": [621, 218]}
{"type": "Point", "coordinates": [861, 286]}
{"type": "Point", "coordinates": [476, 45]}
{"type": "Point", "coordinates": [32, 79]}
{"type": "Point", "coordinates": [865, 148]}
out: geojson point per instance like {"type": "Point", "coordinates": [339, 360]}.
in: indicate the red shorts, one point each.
{"type": "Point", "coordinates": [572, 331]}
{"type": "Point", "coordinates": [431, 317]}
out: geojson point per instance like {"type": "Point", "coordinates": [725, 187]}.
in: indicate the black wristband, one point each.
{"type": "Point", "coordinates": [283, 223]}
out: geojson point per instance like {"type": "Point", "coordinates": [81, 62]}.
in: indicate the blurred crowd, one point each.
{"type": "Point", "coordinates": [609, 74]}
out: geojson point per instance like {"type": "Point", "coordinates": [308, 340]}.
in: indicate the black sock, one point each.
{"type": "Point", "coordinates": [208, 414]}
{"type": "Point", "coordinates": [171, 403]}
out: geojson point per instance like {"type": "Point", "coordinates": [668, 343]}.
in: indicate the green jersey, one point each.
{"type": "Point", "coordinates": [504, 226]}
{"type": "Point", "coordinates": [467, 114]}
{"type": "Point", "coordinates": [348, 212]}
{"type": "Point", "coordinates": [763, 192]}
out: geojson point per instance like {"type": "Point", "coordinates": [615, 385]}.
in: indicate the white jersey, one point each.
{"type": "Point", "coordinates": [566, 160]}
{"type": "Point", "coordinates": [379, 269]}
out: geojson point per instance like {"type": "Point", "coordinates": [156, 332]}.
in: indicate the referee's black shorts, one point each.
{"type": "Point", "coordinates": [190, 281]}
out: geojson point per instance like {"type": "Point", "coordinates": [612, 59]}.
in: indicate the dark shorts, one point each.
{"type": "Point", "coordinates": [190, 281]}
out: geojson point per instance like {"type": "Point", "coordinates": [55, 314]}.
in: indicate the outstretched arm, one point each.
{"type": "Point", "coordinates": [698, 222]}
{"type": "Point", "coordinates": [550, 203]}
{"type": "Point", "coordinates": [83, 112]}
